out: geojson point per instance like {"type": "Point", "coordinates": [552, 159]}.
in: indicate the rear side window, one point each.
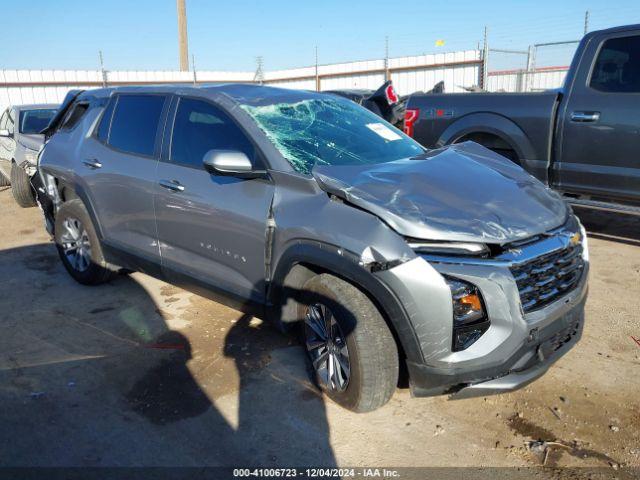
{"type": "Point", "coordinates": [200, 127]}
{"type": "Point", "coordinates": [135, 123]}
{"type": "Point", "coordinates": [617, 68]}
{"type": "Point", "coordinates": [74, 116]}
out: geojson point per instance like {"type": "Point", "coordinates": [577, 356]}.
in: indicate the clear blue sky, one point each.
{"type": "Point", "coordinates": [228, 35]}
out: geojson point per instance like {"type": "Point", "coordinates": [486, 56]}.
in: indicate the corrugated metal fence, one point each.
{"type": "Point", "coordinates": [459, 71]}
{"type": "Point", "coordinates": [409, 74]}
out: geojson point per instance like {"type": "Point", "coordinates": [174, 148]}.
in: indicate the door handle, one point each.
{"type": "Point", "coordinates": [92, 163]}
{"type": "Point", "coordinates": [585, 116]}
{"type": "Point", "coordinates": [172, 185]}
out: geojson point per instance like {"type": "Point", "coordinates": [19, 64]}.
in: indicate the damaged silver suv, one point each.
{"type": "Point", "coordinates": [452, 265]}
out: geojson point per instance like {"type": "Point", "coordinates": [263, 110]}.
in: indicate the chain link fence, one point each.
{"type": "Point", "coordinates": [541, 66]}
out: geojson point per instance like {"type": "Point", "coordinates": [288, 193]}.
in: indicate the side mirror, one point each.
{"type": "Point", "coordinates": [230, 162]}
{"type": "Point", "coordinates": [4, 133]}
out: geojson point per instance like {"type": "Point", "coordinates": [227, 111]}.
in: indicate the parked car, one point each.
{"type": "Point", "coordinates": [384, 102]}
{"type": "Point", "coordinates": [19, 147]}
{"type": "Point", "coordinates": [309, 210]}
{"type": "Point", "coordinates": [581, 140]}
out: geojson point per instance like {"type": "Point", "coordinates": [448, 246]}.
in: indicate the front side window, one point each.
{"type": "Point", "coordinates": [330, 131]}
{"type": "Point", "coordinates": [34, 121]}
{"type": "Point", "coordinates": [617, 68]}
{"type": "Point", "coordinates": [199, 127]}
{"type": "Point", "coordinates": [3, 120]}
{"type": "Point", "coordinates": [135, 123]}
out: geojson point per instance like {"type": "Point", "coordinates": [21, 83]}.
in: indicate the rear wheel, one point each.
{"type": "Point", "coordinates": [78, 245]}
{"type": "Point", "coordinates": [351, 349]}
{"type": "Point", "coordinates": [21, 187]}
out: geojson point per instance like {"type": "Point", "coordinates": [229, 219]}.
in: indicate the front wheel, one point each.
{"type": "Point", "coordinates": [78, 245]}
{"type": "Point", "coordinates": [351, 349]}
{"type": "Point", "coordinates": [4, 181]}
{"type": "Point", "coordinates": [21, 188]}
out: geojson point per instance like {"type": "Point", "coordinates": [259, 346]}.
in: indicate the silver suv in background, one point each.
{"type": "Point", "coordinates": [453, 265]}
{"type": "Point", "coordinates": [20, 142]}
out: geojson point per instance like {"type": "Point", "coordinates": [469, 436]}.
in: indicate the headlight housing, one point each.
{"type": "Point", "coordinates": [470, 318]}
{"type": "Point", "coordinates": [585, 242]}
{"type": "Point", "coordinates": [449, 248]}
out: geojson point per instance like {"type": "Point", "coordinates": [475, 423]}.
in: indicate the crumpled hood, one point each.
{"type": "Point", "coordinates": [31, 141]}
{"type": "Point", "coordinates": [463, 192]}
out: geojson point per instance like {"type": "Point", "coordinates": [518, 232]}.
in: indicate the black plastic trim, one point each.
{"type": "Point", "coordinates": [346, 265]}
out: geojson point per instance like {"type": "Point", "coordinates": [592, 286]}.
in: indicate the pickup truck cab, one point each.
{"type": "Point", "coordinates": [582, 140]}
{"type": "Point", "coordinates": [308, 209]}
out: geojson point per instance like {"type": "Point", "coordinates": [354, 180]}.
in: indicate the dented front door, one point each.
{"type": "Point", "coordinates": [211, 228]}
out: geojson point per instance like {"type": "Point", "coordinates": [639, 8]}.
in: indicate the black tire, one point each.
{"type": "Point", "coordinates": [21, 188]}
{"type": "Point", "coordinates": [372, 351]}
{"type": "Point", "coordinates": [4, 181]}
{"type": "Point", "coordinates": [92, 269]}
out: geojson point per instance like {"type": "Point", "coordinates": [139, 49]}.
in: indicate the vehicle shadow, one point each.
{"type": "Point", "coordinates": [616, 227]}
{"type": "Point", "coordinates": [104, 376]}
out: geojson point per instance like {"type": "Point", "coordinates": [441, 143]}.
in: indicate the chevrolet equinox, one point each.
{"type": "Point", "coordinates": [453, 265]}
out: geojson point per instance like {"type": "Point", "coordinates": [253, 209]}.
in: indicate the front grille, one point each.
{"type": "Point", "coordinates": [549, 276]}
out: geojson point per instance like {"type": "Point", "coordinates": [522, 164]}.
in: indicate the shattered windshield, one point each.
{"type": "Point", "coordinates": [330, 131]}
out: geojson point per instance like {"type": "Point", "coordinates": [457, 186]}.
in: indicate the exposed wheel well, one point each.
{"type": "Point", "coordinates": [299, 274]}
{"type": "Point", "coordinates": [492, 142]}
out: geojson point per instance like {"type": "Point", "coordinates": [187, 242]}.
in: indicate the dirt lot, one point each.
{"type": "Point", "coordinates": [138, 372]}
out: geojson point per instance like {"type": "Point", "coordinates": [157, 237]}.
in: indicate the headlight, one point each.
{"type": "Point", "coordinates": [470, 319]}
{"type": "Point", "coordinates": [449, 248]}
{"type": "Point", "coordinates": [585, 243]}
{"type": "Point", "coordinates": [31, 156]}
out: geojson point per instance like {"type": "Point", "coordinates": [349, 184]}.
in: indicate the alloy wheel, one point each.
{"type": "Point", "coordinates": [75, 244]}
{"type": "Point", "coordinates": [327, 348]}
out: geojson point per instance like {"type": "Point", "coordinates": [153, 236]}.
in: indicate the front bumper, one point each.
{"type": "Point", "coordinates": [29, 167]}
{"type": "Point", "coordinates": [517, 348]}
{"type": "Point", "coordinates": [527, 364]}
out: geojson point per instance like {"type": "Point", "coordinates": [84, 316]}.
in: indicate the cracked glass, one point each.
{"type": "Point", "coordinates": [328, 131]}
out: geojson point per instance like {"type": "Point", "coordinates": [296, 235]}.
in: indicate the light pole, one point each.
{"type": "Point", "coordinates": [182, 36]}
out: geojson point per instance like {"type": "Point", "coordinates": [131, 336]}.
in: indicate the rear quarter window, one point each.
{"type": "Point", "coordinates": [75, 115]}
{"type": "Point", "coordinates": [135, 121]}
{"type": "Point", "coordinates": [105, 122]}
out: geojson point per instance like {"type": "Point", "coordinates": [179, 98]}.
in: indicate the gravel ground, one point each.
{"type": "Point", "coordinates": [138, 372]}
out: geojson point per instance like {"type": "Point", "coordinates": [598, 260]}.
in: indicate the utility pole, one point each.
{"type": "Point", "coordinates": [193, 66]}
{"type": "Point", "coordinates": [317, 74]}
{"type": "Point", "coordinates": [485, 60]}
{"type": "Point", "coordinates": [103, 73]}
{"type": "Point", "coordinates": [387, 75]}
{"type": "Point", "coordinates": [531, 67]}
{"type": "Point", "coordinates": [182, 36]}
{"type": "Point", "coordinates": [259, 75]}
{"type": "Point", "coordinates": [586, 22]}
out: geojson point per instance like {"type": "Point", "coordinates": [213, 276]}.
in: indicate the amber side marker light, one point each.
{"type": "Point", "coordinates": [470, 320]}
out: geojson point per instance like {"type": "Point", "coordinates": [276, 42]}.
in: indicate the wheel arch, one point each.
{"type": "Point", "coordinates": [498, 126]}
{"type": "Point", "coordinates": [69, 191]}
{"type": "Point", "coordinates": [303, 260]}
